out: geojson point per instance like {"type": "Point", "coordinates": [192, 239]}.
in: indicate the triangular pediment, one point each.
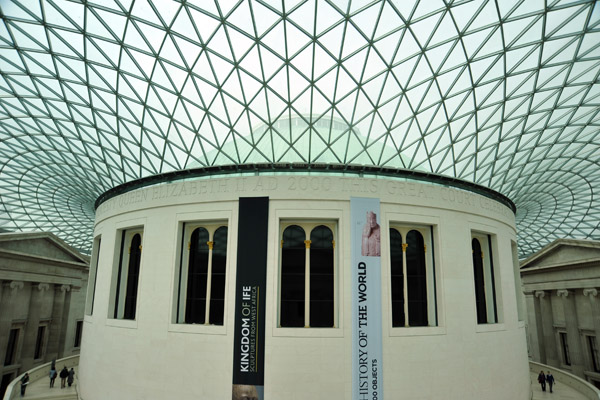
{"type": "Point", "coordinates": [40, 244]}
{"type": "Point", "coordinates": [564, 252]}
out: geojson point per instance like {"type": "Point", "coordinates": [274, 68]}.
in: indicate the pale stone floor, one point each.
{"type": "Point", "coordinates": [559, 391]}
{"type": "Point", "coordinates": [40, 389]}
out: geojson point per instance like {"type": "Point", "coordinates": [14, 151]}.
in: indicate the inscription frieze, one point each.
{"type": "Point", "coordinates": [207, 189]}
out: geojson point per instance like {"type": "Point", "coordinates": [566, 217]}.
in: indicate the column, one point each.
{"type": "Point", "coordinates": [573, 337]}
{"type": "Point", "coordinates": [592, 294]}
{"type": "Point", "coordinates": [54, 333]}
{"type": "Point", "coordinates": [33, 322]}
{"type": "Point", "coordinates": [9, 296]}
{"type": "Point", "coordinates": [539, 325]}
{"type": "Point", "coordinates": [532, 327]}
{"type": "Point", "coordinates": [547, 328]}
{"type": "Point", "coordinates": [66, 314]}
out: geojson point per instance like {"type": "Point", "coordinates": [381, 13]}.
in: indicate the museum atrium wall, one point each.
{"type": "Point", "coordinates": [302, 198]}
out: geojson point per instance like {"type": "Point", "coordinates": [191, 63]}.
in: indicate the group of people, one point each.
{"type": "Point", "coordinates": [66, 376]}
{"type": "Point", "coordinates": [546, 378]}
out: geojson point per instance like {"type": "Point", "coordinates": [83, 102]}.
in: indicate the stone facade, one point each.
{"type": "Point", "coordinates": [42, 296]}
{"type": "Point", "coordinates": [466, 359]}
{"type": "Point", "coordinates": [560, 284]}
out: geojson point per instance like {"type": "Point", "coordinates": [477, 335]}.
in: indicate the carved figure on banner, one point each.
{"type": "Point", "coordinates": [245, 392]}
{"type": "Point", "coordinates": [371, 236]}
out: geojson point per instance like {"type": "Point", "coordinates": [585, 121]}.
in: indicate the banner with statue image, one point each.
{"type": "Point", "coordinates": [367, 361]}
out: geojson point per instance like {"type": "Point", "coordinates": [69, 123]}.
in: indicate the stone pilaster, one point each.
{"type": "Point", "coordinates": [547, 328]}
{"type": "Point", "coordinates": [573, 336]}
{"type": "Point", "coordinates": [65, 321]}
{"type": "Point", "coordinates": [58, 310]}
{"type": "Point", "coordinates": [539, 325]}
{"type": "Point", "coordinates": [33, 322]}
{"type": "Point", "coordinates": [532, 327]}
{"type": "Point", "coordinates": [592, 294]}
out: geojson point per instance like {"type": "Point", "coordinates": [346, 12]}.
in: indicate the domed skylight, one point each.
{"type": "Point", "coordinates": [504, 94]}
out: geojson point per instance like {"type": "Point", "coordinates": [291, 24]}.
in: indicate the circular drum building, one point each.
{"type": "Point", "coordinates": [322, 285]}
{"type": "Point", "coordinates": [304, 198]}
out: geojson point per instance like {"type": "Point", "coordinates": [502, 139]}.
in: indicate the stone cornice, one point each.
{"type": "Point", "coordinates": [560, 266]}
{"type": "Point", "coordinates": [17, 255]}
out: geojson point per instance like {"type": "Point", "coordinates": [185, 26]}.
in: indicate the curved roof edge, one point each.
{"type": "Point", "coordinates": [257, 169]}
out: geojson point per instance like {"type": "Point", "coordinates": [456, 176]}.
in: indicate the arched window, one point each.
{"type": "Point", "coordinates": [133, 274]}
{"type": "Point", "coordinates": [307, 289]}
{"type": "Point", "coordinates": [128, 273]}
{"type": "Point", "coordinates": [484, 279]}
{"type": "Point", "coordinates": [321, 277]}
{"type": "Point", "coordinates": [195, 303]}
{"type": "Point", "coordinates": [217, 287]}
{"type": "Point", "coordinates": [412, 277]}
{"type": "Point", "coordinates": [416, 278]}
{"type": "Point", "coordinates": [203, 275]}
{"type": "Point", "coordinates": [293, 266]}
{"type": "Point", "coordinates": [397, 277]}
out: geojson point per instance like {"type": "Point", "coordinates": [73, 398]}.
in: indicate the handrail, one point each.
{"type": "Point", "coordinates": [568, 379]}
{"type": "Point", "coordinates": [13, 391]}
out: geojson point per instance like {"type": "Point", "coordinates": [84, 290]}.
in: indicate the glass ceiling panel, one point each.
{"type": "Point", "coordinates": [504, 94]}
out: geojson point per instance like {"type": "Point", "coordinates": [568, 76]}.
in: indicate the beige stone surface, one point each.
{"type": "Point", "coordinates": [559, 391]}
{"type": "Point", "coordinates": [456, 359]}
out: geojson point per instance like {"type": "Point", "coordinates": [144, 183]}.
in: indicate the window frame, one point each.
{"type": "Point", "coordinates": [93, 275]}
{"type": "Point", "coordinates": [491, 278]}
{"type": "Point", "coordinates": [78, 334]}
{"type": "Point", "coordinates": [427, 233]}
{"type": "Point", "coordinates": [186, 230]}
{"type": "Point", "coordinates": [16, 347]}
{"type": "Point", "coordinates": [308, 225]}
{"type": "Point", "coordinates": [43, 346]}
{"type": "Point", "coordinates": [118, 293]}
{"type": "Point", "coordinates": [592, 346]}
{"type": "Point", "coordinates": [563, 340]}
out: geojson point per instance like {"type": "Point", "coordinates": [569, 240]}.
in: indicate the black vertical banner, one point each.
{"type": "Point", "coordinates": [249, 336]}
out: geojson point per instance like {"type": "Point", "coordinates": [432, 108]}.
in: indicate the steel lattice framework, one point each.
{"type": "Point", "coordinates": [505, 94]}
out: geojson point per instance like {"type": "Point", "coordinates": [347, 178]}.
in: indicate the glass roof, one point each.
{"type": "Point", "coordinates": [505, 94]}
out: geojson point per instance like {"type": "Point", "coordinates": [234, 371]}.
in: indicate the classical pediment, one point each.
{"type": "Point", "coordinates": [564, 252]}
{"type": "Point", "coordinates": [40, 244]}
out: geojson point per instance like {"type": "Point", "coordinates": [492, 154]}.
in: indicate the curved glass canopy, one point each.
{"type": "Point", "coordinates": [505, 94]}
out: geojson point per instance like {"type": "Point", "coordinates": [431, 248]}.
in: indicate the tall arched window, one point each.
{"type": "Point", "coordinates": [416, 278]}
{"type": "Point", "coordinates": [412, 277]}
{"type": "Point", "coordinates": [293, 266]}
{"type": "Point", "coordinates": [133, 274]}
{"type": "Point", "coordinates": [128, 273]}
{"type": "Point", "coordinates": [195, 303]}
{"type": "Point", "coordinates": [321, 277]}
{"type": "Point", "coordinates": [397, 277]}
{"type": "Point", "coordinates": [217, 286]}
{"type": "Point", "coordinates": [484, 279]}
{"type": "Point", "coordinates": [307, 288]}
{"type": "Point", "coordinates": [202, 278]}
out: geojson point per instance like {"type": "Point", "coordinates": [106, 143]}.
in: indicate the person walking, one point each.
{"type": "Point", "coordinates": [71, 377]}
{"type": "Point", "coordinates": [64, 374]}
{"type": "Point", "coordinates": [24, 383]}
{"type": "Point", "coordinates": [53, 375]}
{"type": "Point", "coordinates": [541, 380]}
{"type": "Point", "coordinates": [550, 380]}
